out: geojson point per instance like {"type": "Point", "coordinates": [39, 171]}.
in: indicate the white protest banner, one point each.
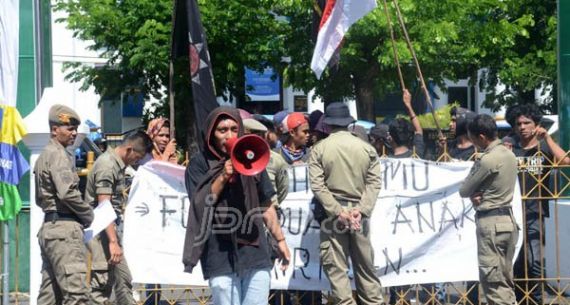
{"type": "Point", "coordinates": [421, 230]}
{"type": "Point", "coordinates": [155, 224]}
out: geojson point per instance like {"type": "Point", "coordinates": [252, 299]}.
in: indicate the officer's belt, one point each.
{"type": "Point", "coordinates": [56, 216]}
{"type": "Point", "coordinates": [346, 203]}
{"type": "Point", "coordinates": [494, 212]}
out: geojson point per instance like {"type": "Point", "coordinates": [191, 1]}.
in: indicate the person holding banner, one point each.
{"type": "Point", "coordinates": [344, 173]}
{"type": "Point", "coordinates": [406, 138]}
{"type": "Point", "coordinates": [490, 186]}
{"type": "Point", "coordinates": [378, 138]}
{"type": "Point", "coordinates": [106, 182]}
{"type": "Point", "coordinates": [461, 147]}
{"type": "Point", "coordinates": [537, 153]}
{"type": "Point", "coordinates": [234, 253]}
{"type": "Point", "coordinates": [64, 254]}
{"type": "Point", "coordinates": [163, 147]}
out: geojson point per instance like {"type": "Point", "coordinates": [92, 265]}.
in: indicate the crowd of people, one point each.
{"type": "Point", "coordinates": [344, 176]}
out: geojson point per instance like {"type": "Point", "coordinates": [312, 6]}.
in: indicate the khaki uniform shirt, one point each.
{"type": "Point", "coordinates": [277, 172]}
{"type": "Point", "coordinates": [343, 168]}
{"type": "Point", "coordinates": [494, 175]}
{"type": "Point", "coordinates": [107, 177]}
{"type": "Point", "coordinates": [57, 183]}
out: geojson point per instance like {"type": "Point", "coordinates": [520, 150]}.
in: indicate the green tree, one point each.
{"type": "Point", "coordinates": [530, 64]}
{"type": "Point", "coordinates": [135, 37]}
{"type": "Point", "coordinates": [513, 39]}
{"type": "Point", "coordinates": [453, 39]}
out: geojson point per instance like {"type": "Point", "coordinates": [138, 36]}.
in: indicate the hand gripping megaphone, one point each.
{"type": "Point", "coordinates": [249, 154]}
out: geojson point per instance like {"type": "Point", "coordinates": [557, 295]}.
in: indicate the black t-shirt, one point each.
{"type": "Point", "coordinates": [219, 256]}
{"type": "Point", "coordinates": [418, 145]}
{"type": "Point", "coordinates": [455, 152]}
{"type": "Point", "coordinates": [534, 166]}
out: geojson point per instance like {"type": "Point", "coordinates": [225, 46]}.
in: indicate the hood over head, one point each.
{"type": "Point", "coordinates": [211, 121]}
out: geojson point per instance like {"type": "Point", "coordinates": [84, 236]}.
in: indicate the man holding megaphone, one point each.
{"type": "Point", "coordinates": [231, 196]}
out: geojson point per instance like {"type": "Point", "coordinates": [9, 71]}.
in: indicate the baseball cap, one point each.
{"type": "Point", "coordinates": [294, 120]}
{"type": "Point", "coordinates": [279, 117]}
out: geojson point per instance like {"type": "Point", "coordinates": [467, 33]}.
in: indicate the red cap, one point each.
{"type": "Point", "coordinates": [294, 120]}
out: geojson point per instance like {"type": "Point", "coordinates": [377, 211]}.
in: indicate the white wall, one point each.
{"type": "Point", "coordinates": [65, 48]}
{"type": "Point", "coordinates": [476, 100]}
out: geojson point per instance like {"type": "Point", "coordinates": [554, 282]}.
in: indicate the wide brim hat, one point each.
{"type": "Point", "coordinates": [337, 114]}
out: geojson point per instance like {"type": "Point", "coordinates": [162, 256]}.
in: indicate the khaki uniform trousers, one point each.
{"type": "Point", "coordinates": [105, 277]}
{"type": "Point", "coordinates": [64, 270]}
{"type": "Point", "coordinates": [337, 246]}
{"type": "Point", "coordinates": [496, 240]}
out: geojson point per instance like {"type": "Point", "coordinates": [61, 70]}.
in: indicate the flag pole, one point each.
{"type": "Point", "coordinates": [417, 64]}
{"type": "Point", "coordinates": [394, 51]}
{"type": "Point", "coordinates": [6, 267]}
{"type": "Point", "coordinates": [171, 80]}
{"type": "Point", "coordinates": [317, 8]}
{"type": "Point", "coordinates": [171, 99]}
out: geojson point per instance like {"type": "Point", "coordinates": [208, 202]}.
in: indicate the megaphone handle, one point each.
{"type": "Point", "coordinates": [233, 179]}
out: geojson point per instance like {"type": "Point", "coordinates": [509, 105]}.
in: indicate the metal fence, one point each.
{"type": "Point", "coordinates": [535, 283]}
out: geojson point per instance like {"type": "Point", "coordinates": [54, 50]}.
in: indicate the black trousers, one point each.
{"type": "Point", "coordinates": [529, 264]}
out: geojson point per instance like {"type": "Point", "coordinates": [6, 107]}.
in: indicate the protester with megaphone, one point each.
{"type": "Point", "coordinates": [225, 222]}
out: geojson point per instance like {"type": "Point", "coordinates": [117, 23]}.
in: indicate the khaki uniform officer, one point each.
{"type": "Point", "coordinates": [344, 173]}
{"type": "Point", "coordinates": [64, 254]}
{"type": "Point", "coordinates": [490, 185]}
{"type": "Point", "coordinates": [106, 181]}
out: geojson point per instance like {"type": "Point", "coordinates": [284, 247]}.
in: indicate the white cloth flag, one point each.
{"type": "Point", "coordinates": [9, 48]}
{"type": "Point", "coordinates": [338, 16]}
{"type": "Point", "coordinates": [421, 230]}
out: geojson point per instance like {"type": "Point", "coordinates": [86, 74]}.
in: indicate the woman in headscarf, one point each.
{"type": "Point", "coordinates": [234, 252]}
{"type": "Point", "coordinates": [164, 148]}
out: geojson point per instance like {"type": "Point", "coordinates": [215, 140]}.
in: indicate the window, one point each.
{"type": "Point", "coordinates": [459, 95]}
{"type": "Point", "coordinates": [300, 103]}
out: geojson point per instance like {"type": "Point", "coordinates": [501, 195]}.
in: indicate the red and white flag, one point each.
{"type": "Point", "coordinates": [337, 18]}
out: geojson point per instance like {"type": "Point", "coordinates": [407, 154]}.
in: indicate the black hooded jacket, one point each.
{"type": "Point", "coordinates": [234, 246]}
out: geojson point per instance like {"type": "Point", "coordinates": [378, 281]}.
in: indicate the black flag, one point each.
{"type": "Point", "coordinates": [188, 39]}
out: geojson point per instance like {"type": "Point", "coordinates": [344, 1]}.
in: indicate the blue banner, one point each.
{"type": "Point", "coordinates": [262, 87]}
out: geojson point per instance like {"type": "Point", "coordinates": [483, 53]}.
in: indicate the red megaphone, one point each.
{"type": "Point", "coordinates": [249, 154]}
